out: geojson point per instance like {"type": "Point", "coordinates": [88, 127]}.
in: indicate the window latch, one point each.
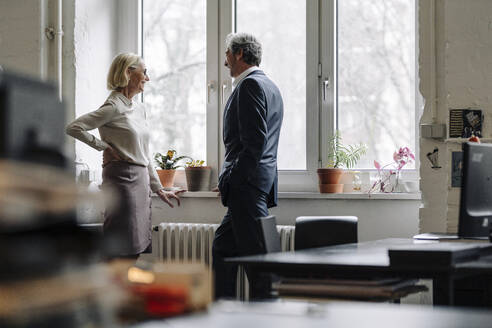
{"type": "Point", "coordinates": [326, 85]}
{"type": "Point", "coordinates": [210, 88]}
{"type": "Point", "coordinates": [224, 88]}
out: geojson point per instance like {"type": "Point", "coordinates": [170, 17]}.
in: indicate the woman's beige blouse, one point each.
{"type": "Point", "coordinates": [122, 124]}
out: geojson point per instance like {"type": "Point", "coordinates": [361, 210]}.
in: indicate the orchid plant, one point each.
{"type": "Point", "coordinates": [393, 169]}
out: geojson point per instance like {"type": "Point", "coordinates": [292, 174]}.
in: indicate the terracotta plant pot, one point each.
{"type": "Point", "coordinates": [329, 175]}
{"type": "Point", "coordinates": [166, 177]}
{"type": "Point", "coordinates": [329, 180]}
{"type": "Point", "coordinates": [198, 178]}
{"type": "Point", "coordinates": [331, 188]}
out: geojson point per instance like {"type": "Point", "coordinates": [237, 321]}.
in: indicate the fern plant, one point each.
{"type": "Point", "coordinates": [340, 155]}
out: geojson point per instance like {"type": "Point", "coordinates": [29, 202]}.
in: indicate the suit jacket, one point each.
{"type": "Point", "coordinates": [252, 120]}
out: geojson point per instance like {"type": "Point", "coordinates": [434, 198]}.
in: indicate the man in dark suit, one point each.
{"type": "Point", "coordinates": [248, 180]}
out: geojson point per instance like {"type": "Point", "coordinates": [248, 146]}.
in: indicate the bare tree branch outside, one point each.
{"type": "Point", "coordinates": [375, 77]}
{"type": "Point", "coordinates": [175, 54]}
{"type": "Point", "coordinates": [281, 28]}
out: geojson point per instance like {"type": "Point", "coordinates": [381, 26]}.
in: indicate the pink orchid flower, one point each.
{"type": "Point", "coordinates": [402, 157]}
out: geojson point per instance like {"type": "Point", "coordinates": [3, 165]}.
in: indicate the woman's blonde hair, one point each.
{"type": "Point", "coordinates": [117, 75]}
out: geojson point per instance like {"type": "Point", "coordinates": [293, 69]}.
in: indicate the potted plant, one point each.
{"type": "Point", "coordinates": [197, 175]}
{"type": "Point", "coordinates": [168, 164]}
{"type": "Point", "coordinates": [389, 175]}
{"type": "Point", "coordinates": [339, 155]}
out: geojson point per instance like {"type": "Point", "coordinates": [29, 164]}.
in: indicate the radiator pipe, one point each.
{"type": "Point", "coordinates": [59, 47]}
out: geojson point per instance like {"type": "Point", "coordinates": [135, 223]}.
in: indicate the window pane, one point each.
{"type": "Point", "coordinates": [281, 28]}
{"type": "Point", "coordinates": [376, 76]}
{"type": "Point", "coordinates": [174, 50]}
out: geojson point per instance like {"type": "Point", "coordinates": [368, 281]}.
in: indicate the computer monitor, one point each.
{"type": "Point", "coordinates": [32, 121]}
{"type": "Point", "coordinates": [476, 191]}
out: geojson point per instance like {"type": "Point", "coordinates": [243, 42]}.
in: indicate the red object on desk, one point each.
{"type": "Point", "coordinates": [162, 301]}
{"type": "Point", "coordinates": [474, 138]}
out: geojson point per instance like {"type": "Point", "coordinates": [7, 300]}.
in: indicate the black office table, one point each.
{"type": "Point", "coordinates": [333, 314]}
{"type": "Point", "coordinates": [362, 260]}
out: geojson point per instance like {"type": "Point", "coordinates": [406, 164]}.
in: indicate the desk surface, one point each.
{"type": "Point", "coordinates": [369, 260]}
{"type": "Point", "coordinates": [344, 314]}
{"type": "Point", "coordinates": [356, 259]}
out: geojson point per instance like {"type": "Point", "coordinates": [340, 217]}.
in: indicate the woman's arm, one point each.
{"type": "Point", "coordinates": [155, 183]}
{"type": "Point", "coordinates": [90, 121]}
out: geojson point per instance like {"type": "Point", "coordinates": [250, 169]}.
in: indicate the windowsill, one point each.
{"type": "Point", "coordinates": [317, 195]}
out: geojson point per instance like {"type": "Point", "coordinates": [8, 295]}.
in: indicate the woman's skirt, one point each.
{"type": "Point", "coordinates": [127, 222]}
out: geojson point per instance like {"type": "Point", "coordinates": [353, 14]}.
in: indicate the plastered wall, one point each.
{"type": "Point", "coordinates": [23, 47]}
{"type": "Point", "coordinates": [89, 44]}
{"type": "Point", "coordinates": [455, 71]}
{"type": "Point", "coordinates": [94, 46]}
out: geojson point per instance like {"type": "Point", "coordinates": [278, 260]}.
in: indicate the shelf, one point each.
{"type": "Point", "coordinates": [462, 140]}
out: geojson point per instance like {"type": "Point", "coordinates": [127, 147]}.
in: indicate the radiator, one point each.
{"type": "Point", "coordinates": [192, 242]}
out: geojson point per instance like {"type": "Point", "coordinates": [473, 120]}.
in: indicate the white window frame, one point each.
{"type": "Point", "coordinates": [328, 31]}
{"type": "Point", "coordinates": [129, 37]}
{"type": "Point", "coordinates": [320, 98]}
{"type": "Point", "coordinates": [307, 180]}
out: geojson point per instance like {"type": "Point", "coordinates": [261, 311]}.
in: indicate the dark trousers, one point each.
{"type": "Point", "coordinates": [239, 235]}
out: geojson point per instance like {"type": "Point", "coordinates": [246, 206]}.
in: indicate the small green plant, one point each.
{"type": "Point", "coordinates": [195, 163]}
{"type": "Point", "coordinates": [340, 155]}
{"type": "Point", "coordinates": [169, 161]}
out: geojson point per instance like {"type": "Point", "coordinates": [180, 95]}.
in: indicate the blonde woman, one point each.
{"type": "Point", "coordinates": [127, 164]}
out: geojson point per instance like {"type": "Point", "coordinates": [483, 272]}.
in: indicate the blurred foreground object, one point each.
{"type": "Point", "coordinates": [73, 298]}
{"type": "Point", "coordinates": [38, 225]}
{"type": "Point", "coordinates": [163, 289]}
{"type": "Point", "coordinates": [49, 276]}
{"type": "Point", "coordinates": [32, 121]}
{"type": "Point", "coordinates": [49, 272]}
{"type": "Point", "coordinates": [29, 191]}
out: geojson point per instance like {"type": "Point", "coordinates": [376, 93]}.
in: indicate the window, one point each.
{"type": "Point", "coordinates": [283, 38]}
{"type": "Point", "coordinates": [347, 65]}
{"type": "Point", "coordinates": [174, 48]}
{"type": "Point", "coordinates": [376, 75]}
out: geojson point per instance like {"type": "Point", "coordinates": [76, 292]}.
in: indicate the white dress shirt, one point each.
{"type": "Point", "coordinates": [241, 76]}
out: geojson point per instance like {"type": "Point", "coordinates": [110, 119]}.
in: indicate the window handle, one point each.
{"type": "Point", "coordinates": [210, 89]}
{"type": "Point", "coordinates": [326, 85]}
{"type": "Point", "coordinates": [224, 88]}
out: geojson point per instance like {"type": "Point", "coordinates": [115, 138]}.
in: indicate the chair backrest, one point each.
{"type": "Point", "coordinates": [319, 231]}
{"type": "Point", "coordinates": [271, 238]}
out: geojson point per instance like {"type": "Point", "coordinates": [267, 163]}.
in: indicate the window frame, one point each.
{"type": "Point", "coordinates": [321, 65]}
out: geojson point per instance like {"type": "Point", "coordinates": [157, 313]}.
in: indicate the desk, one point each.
{"type": "Point", "coordinates": [335, 314]}
{"type": "Point", "coordinates": [362, 260]}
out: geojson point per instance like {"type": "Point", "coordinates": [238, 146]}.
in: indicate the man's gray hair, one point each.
{"type": "Point", "coordinates": [248, 43]}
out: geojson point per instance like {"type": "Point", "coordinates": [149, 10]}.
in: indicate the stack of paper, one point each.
{"type": "Point", "coordinates": [378, 289]}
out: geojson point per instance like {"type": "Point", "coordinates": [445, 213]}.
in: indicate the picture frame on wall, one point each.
{"type": "Point", "coordinates": [463, 123]}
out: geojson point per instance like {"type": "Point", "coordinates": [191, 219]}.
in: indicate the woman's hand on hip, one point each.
{"type": "Point", "coordinates": [166, 196]}
{"type": "Point", "coordinates": [109, 155]}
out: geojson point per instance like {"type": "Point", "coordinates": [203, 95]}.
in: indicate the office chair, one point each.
{"type": "Point", "coordinates": [320, 231]}
{"type": "Point", "coordinates": [267, 226]}
{"type": "Point", "coordinates": [269, 234]}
